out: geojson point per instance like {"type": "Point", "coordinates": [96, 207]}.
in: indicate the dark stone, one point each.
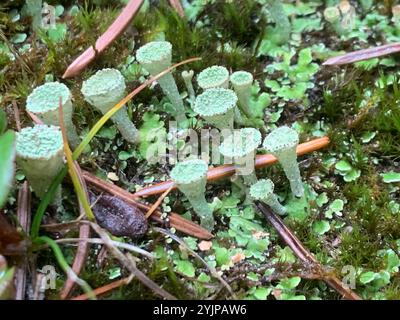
{"type": "Point", "coordinates": [118, 217]}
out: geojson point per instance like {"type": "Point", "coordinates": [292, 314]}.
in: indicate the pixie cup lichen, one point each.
{"type": "Point", "coordinates": [155, 57]}
{"type": "Point", "coordinates": [190, 178]}
{"type": "Point", "coordinates": [241, 147]}
{"type": "Point", "coordinates": [187, 77]}
{"type": "Point", "coordinates": [44, 102]}
{"type": "Point", "coordinates": [282, 143]}
{"type": "Point", "coordinates": [103, 91]}
{"type": "Point", "coordinates": [263, 190]}
{"type": "Point", "coordinates": [40, 154]}
{"type": "Point", "coordinates": [332, 15]}
{"type": "Point", "coordinates": [213, 77]}
{"type": "Point", "coordinates": [217, 107]}
{"type": "Point", "coordinates": [242, 82]}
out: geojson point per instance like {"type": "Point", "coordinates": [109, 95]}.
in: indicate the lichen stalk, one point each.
{"type": "Point", "coordinates": [190, 178]}
{"type": "Point", "coordinates": [282, 143]}
{"type": "Point", "coordinates": [242, 82]}
{"type": "Point", "coordinates": [263, 190]}
{"type": "Point", "coordinates": [155, 57]}
{"type": "Point", "coordinates": [44, 102]}
{"type": "Point", "coordinates": [187, 78]}
{"type": "Point", "coordinates": [103, 91]}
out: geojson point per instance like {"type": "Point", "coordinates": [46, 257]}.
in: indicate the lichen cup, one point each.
{"type": "Point", "coordinates": [103, 91]}
{"type": "Point", "coordinates": [44, 102]}
{"type": "Point", "coordinates": [263, 190]}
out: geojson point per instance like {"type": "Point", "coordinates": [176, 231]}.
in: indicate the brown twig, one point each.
{"type": "Point", "coordinates": [228, 170]}
{"type": "Point", "coordinates": [176, 221]}
{"type": "Point", "coordinates": [303, 254]}
{"type": "Point", "coordinates": [176, 4]}
{"type": "Point", "coordinates": [158, 202]}
{"type": "Point", "coordinates": [363, 54]}
{"type": "Point", "coordinates": [83, 247]}
{"type": "Point", "coordinates": [105, 289]}
{"type": "Point", "coordinates": [34, 117]}
{"type": "Point", "coordinates": [106, 39]}
{"type": "Point", "coordinates": [16, 115]}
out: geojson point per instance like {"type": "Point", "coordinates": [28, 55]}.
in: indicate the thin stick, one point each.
{"type": "Point", "coordinates": [105, 289]}
{"type": "Point", "coordinates": [158, 202]}
{"type": "Point", "coordinates": [228, 170]}
{"type": "Point", "coordinates": [363, 54]}
{"type": "Point", "coordinates": [16, 115]}
{"type": "Point", "coordinates": [176, 4]}
{"type": "Point", "coordinates": [303, 254]}
{"type": "Point", "coordinates": [106, 39]}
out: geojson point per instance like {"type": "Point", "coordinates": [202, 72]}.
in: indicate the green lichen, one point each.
{"type": "Point", "coordinates": [44, 102]}
{"type": "Point", "coordinates": [242, 82]}
{"type": "Point", "coordinates": [332, 15]}
{"type": "Point", "coordinates": [282, 29]}
{"type": "Point", "coordinates": [187, 78]}
{"type": "Point", "coordinates": [213, 77]}
{"type": "Point", "coordinates": [40, 152]}
{"type": "Point", "coordinates": [155, 57]}
{"type": "Point", "coordinates": [282, 143]}
{"type": "Point", "coordinates": [217, 107]}
{"type": "Point", "coordinates": [263, 190]}
{"type": "Point", "coordinates": [191, 177]}
{"type": "Point", "coordinates": [242, 146]}
{"type": "Point", "coordinates": [103, 91]}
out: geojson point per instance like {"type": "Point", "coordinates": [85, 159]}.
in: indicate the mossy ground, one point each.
{"type": "Point", "coordinates": [345, 103]}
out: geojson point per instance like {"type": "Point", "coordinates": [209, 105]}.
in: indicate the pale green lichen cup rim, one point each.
{"type": "Point", "coordinates": [46, 97]}
{"type": "Point", "coordinates": [331, 14]}
{"type": "Point", "coordinates": [189, 171]}
{"type": "Point", "coordinates": [241, 78]}
{"type": "Point", "coordinates": [215, 101]}
{"type": "Point", "coordinates": [280, 139]}
{"type": "Point", "coordinates": [153, 52]}
{"type": "Point", "coordinates": [233, 147]}
{"type": "Point", "coordinates": [213, 76]}
{"type": "Point", "coordinates": [262, 189]}
{"type": "Point", "coordinates": [103, 82]}
{"type": "Point", "coordinates": [39, 142]}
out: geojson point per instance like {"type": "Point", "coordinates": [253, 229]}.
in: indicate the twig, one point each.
{"type": "Point", "coordinates": [104, 289]}
{"type": "Point", "coordinates": [127, 263]}
{"type": "Point", "coordinates": [303, 254]}
{"type": "Point", "coordinates": [106, 39]}
{"type": "Point", "coordinates": [83, 247]}
{"type": "Point", "coordinates": [118, 244]}
{"type": "Point", "coordinates": [363, 54]}
{"type": "Point", "coordinates": [175, 220]}
{"type": "Point", "coordinates": [176, 4]}
{"type": "Point", "coordinates": [34, 117]}
{"type": "Point", "coordinates": [24, 219]}
{"type": "Point", "coordinates": [228, 170]}
{"type": "Point", "coordinates": [158, 202]}
{"type": "Point", "coordinates": [213, 272]}
{"type": "Point", "coordinates": [16, 115]}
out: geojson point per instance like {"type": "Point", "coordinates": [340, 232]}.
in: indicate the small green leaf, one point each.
{"type": "Point", "coordinates": [391, 176]}
{"type": "Point", "coordinates": [321, 227]}
{"type": "Point", "coordinates": [367, 277]}
{"type": "Point", "coordinates": [222, 256]}
{"type": "Point", "coordinates": [185, 267]}
{"type": "Point", "coordinates": [204, 278]}
{"type": "Point", "coordinates": [343, 166]}
{"type": "Point", "coordinates": [322, 199]}
{"type": "Point", "coordinates": [289, 283]}
{"type": "Point", "coordinates": [7, 156]}
{"type": "Point", "coordinates": [336, 205]}
{"type": "Point", "coordinates": [367, 136]}
{"type": "Point", "coordinates": [19, 38]}
{"type": "Point", "coordinates": [262, 293]}
{"type": "Point", "coordinates": [352, 175]}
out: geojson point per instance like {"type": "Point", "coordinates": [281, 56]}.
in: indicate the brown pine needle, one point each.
{"type": "Point", "coordinates": [158, 202]}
